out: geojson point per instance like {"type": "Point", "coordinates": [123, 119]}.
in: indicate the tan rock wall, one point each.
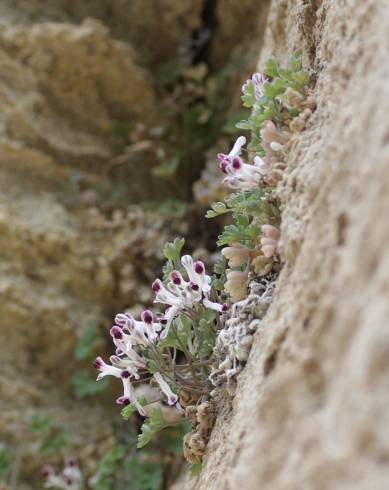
{"type": "Point", "coordinates": [311, 411]}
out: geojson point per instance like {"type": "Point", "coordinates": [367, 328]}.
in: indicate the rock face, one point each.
{"type": "Point", "coordinates": [310, 411]}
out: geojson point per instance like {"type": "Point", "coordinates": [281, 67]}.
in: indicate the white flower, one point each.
{"type": "Point", "coordinates": [179, 294]}
{"type": "Point", "coordinates": [221, 308]}
{"type": "Point", "coordinates": [172, 398]}
{"type": "Point", "coordinates": [240, 175]}
{"type": "Point", "coordinates": [124, 375]}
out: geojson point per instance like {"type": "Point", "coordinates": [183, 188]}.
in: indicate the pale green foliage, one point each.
{"type": "Point", "coordinates": [267, 107]}
{"type": "Point", "coordinates": [265, 96]}
{"type": "Point", "coordinates": [172, 252]}
{"type": "Point", "coordinates": [5, 463]}
{"type": "Point", "coordinates": [152, 425]}
{"type": "Point", "coordinates": [131, 408]}
{"type": "Point", "coordinates": [107, 467]}
{"type": "Point", "coordinates": [84, 384]}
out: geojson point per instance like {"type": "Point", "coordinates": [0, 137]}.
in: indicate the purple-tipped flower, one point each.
{"type": "Point", "coordinates": [240, 175]}
{"type": "Point", "coordinates": [176, 278]}
{"type": "Point", "coordinates": [237, 163]}
{"type": "Point", "coordinates": [199, 267]}
{"type": "Point", "coordinates": [147, 317]}
{"type": "Point", "coordinates": [157, 285]}
{"type": "Point", "coordinates": [123, 319]}
{"type": "Point", "coordinates": [98, 364]}
{"type": "Point", "coordinates": [172, 398]}
{"type": "Point", "coordinates": [116, 333]}
{"type": "Point", "coordinates": [47, 470]}
{"type": "Point", "coordinates": [193, 286]}
{"type": "Point", "coordinates": [254, 85]}
{"type": "Point", "coordinates": [123, 400]}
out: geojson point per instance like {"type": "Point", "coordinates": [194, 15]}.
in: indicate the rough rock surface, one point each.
{"type": "Point", "coordinates": [156, 28]}
{"type": "Point", "coordinates": [310, 410]}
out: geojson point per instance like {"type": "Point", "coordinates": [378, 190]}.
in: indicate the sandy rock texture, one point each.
{"type": "Point", "coordinates": [155, 27]}
{"type": "Point", "coordinates": [64, 87]}
{"type": "Point", "coordinates": [310, 412]}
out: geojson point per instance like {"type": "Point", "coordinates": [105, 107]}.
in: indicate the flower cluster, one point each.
{"type": "Point", "coordinates": [280, 105]}
{"type": "Point", "coordinates": [70, 478]}
{"type": "Point", "coordinates": [147, 349]}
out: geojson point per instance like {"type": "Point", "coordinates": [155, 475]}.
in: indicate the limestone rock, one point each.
{"type": "Point", "coordinates": [310, 411]}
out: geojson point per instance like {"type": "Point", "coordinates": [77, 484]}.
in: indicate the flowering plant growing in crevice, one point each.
{"type": "Point", "coordinates": [280, 104]}
{"type": "Point", "coordinates": [196, 342]}
{"type": "Point", "coordinates": [170, 349]}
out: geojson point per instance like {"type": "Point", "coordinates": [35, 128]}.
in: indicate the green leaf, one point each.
{"type": "Point", "coordinates": [172, 437]}
{"type": "Point", "coordinates": [248, 97]}
{"type": "Point", "coordinates": [301, 78]}
{"type": "Point", "coordinates": [54, 444]}
{"type": "Point", "coordinates": [131, 408]}
{"type": "Point", "coordinates": [295, 62]}
{"type": "Point", "coordinates": [5, 463]}
{"type": "Point", "coordinates": [86, 385]}
{"type": "Point", "coordinates": [150, 427]}
{"type": "Point", "coordinates": [230, 234]}
{"type": "Point", "coordinates": [242, 221]}
{"type": "Point", "coordinates": [218, 208]}
{"type": "Point", "coordinates": [220, 265]}
{"type": "Point", "coordinates": [271, 67]}
{"type": "Point", "coordinates": [40, 424]}
{"type": "Point", "coordinates": [167, 269]}
{"type": "Point", "coordinates": [243, 124]}
{"type": "Point", "coordinates": [218, 283]}
{"type": "Point", "coordinates": [179, 334]}
{"type": "Point", "coordinates": [206, 332]}
{"type": "Point", "coordinates": [86, 344]}
{"type": "Point", "coordinates": [172, 250]}
{"type": "Point", "coordinates": [273, 89]}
